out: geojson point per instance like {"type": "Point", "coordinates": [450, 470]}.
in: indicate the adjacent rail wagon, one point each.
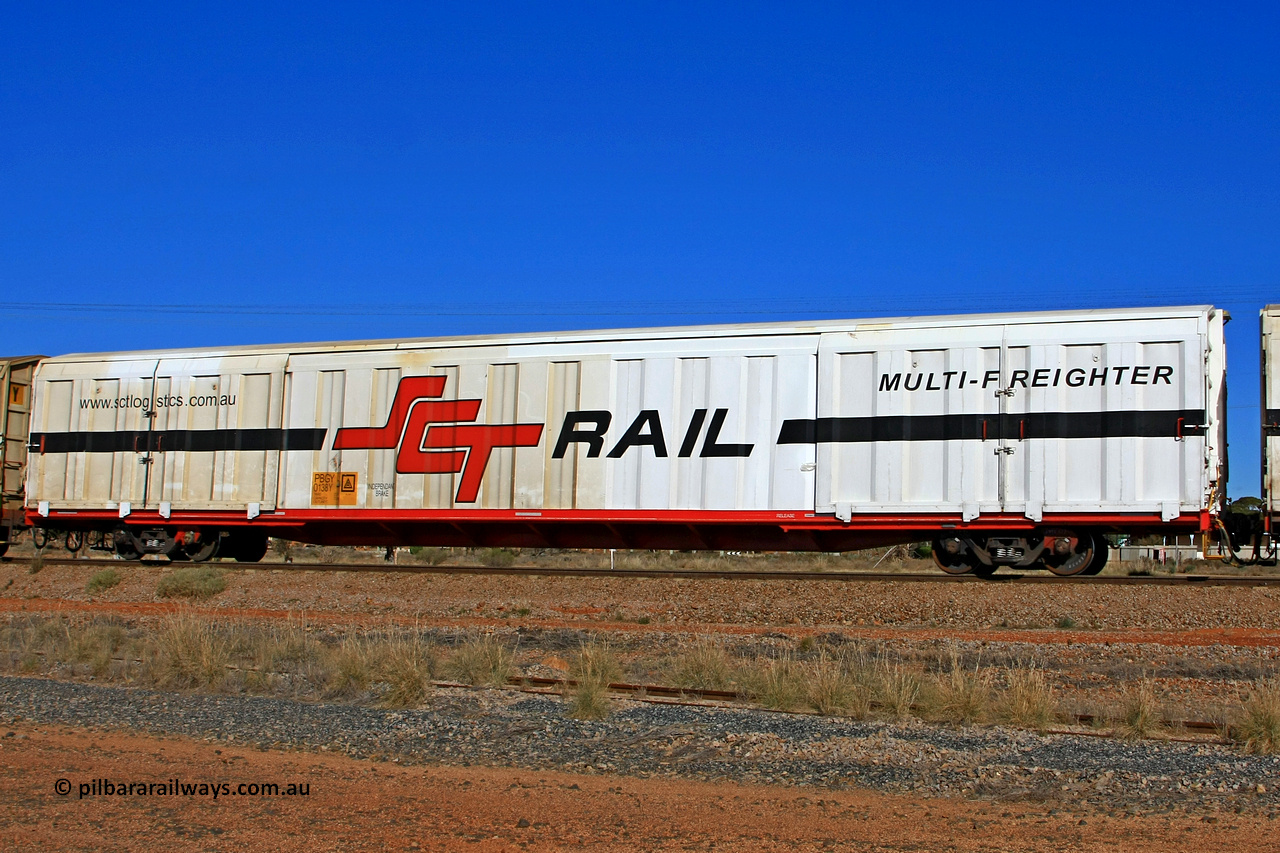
{"type": "Point", "coordinates": [1271, 420]}
{"type": "Point", "coordinates": [1014, 439]}
{"type": "Point", "coordinates": [15, 414]}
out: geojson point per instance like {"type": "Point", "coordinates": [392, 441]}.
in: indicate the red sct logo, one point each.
{"type": "Point", "coordinates": [437, 436]}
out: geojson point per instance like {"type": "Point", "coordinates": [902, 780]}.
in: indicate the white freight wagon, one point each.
{"type": "Point", "coordinates": [1014, 439]}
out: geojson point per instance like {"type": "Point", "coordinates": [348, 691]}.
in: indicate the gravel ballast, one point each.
{"type": "Point", "coordinates": [510, 729]}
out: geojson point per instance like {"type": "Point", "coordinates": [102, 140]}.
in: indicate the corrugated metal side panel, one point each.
{"type": "Point", "coordinates": [564, 388]}
{"type": "Point", "coordinates": [203, 448]}
{"type": "Point", "coordinates": [1020, 403]}
{"type": "Point", "coordinates": [73, 397]}
{"type": "Point", "coordinates": [211, 416]}
{"type": "Point", "coordinates": [1124, 473]}
{"type": "Point", "coordinates": [652, 452]}
{"type": "Point", "coordinates": [909, 374]}
{"type": "Point", "coordinates": [692, 424]}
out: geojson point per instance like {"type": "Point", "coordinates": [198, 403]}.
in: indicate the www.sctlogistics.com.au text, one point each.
{"type": "Point", "coordinates": [179, 788]}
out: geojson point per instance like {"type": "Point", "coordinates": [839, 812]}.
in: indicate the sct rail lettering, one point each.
{"type": "Point", "coordinates": [162, 401]}
{"type": "Point", "coordinates": [1043, 377]}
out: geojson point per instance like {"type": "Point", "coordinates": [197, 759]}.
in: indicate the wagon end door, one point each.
{"type": "Point", "coordinates": [218, 433]}
{"type": "Point", "coordinates": [1104, 416]}
{"type": "Point", "coordinates": [89, 432]}
{"type": "Point", "coordinates": [908, 421]}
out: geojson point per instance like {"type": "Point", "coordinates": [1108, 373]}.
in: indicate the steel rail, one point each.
{"type": "Point", "coordinates": [694, 696]}
{"type": "Point", "coordinates": [697, 696]}
{"type": "Point", "coordinates": [691, 574]}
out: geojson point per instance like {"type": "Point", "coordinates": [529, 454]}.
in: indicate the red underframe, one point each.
{"type": "Point", "coordinates": [660, 529]}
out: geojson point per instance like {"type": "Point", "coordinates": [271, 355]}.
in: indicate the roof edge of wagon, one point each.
{"type": "Point", "coordinates": [666, 332]}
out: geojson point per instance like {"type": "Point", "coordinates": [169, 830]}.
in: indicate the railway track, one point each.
{"type": "Point", "coordinates": [694, 696]}
{"type": "Point", "coordinates": [693, 574]}
{"type": "Point", "coordinates": [670, 695]}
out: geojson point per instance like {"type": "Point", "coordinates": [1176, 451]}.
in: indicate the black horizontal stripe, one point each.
{"type": "Point", "coordinates": [1145, 424]}
{"type": "Point", "coordinates": [188, 440]}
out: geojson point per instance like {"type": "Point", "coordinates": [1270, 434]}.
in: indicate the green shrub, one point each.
{"type": "Point", "coordinates": [429, 556]}
{"type": "Point", "coordinates": [497, 558]}
{"type": "Point", "coordinates": [102, 580]}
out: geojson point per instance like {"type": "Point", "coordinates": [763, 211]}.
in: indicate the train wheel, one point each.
{"type": "Point", "coordinates": [1101, 550]}
{"type": "Point", "coordinates": [245, 546]}
{"type": "Point", "coordinates": [954, 558]}
{"type": "Point", "coordinates": [4, 547]}
{"type": "Point", "coordinates": [202, 545]}
{"type": "Point", "coordinates": [1068, 556]}
{"type": "Point", "coordinates": [125, 546]}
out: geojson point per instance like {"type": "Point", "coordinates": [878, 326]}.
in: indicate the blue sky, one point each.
{"type": "Point", "coordinates": [189, 176]}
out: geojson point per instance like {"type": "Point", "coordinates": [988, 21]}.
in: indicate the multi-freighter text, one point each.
{"type": "Point", "coordinates": [1044, 377]}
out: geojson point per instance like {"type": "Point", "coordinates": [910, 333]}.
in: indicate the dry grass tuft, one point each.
{"type": "Point", "coordinates": [595, 661]}
{"type": "Point", "coordinates": [404, 665]}
{"type": "Point", "coordinates": [1259, 726]}
{"type": "Point", "coordinates": [895, 690]}
{"type": "Point", "coordinates": [283, 659]}
{"type": "Point", "coordinates": [483, 662]}
{"type": "Point", "coordinates": [961, 695]}
{"type": "Point", "coordinates": [592, 669]}
{"type": "Point", "coordinates": [95, 645]}
{"type": "Point", "coordinates": [588, 700]}
{"type": "Point", "coordinates": [350, 668]}
{"type": "Point", "coordinates": [1140, 712]}
{"type": "Point", "coordinates": [705, 665]}
{"type": "Point", "coordinates": [778, 684]}
{"type": "Point", "coordinates": [1028, 700]}
{"type": "Point", "coordinates": [831, 689]}
{"type": "Point", "coordinates": [188, 653]}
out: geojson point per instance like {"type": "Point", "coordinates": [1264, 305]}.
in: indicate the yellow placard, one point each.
{"type": "Point", "coordinates": [335, 488]}
{"type": "Point", "coordinates": [17, 395]}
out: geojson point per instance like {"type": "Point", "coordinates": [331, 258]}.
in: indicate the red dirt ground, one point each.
{"type": "Point", "coordinates": [366, 805]}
